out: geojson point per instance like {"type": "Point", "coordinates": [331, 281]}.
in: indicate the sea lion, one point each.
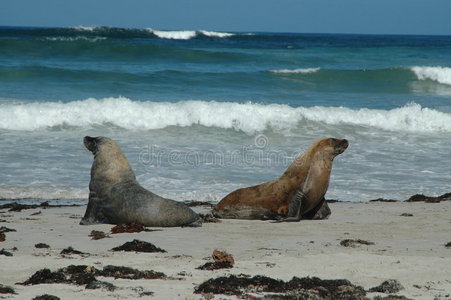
{"type": "Point", "coordinates": [115, 197]}
{"type": "Point", "coordinates": [298, 193]}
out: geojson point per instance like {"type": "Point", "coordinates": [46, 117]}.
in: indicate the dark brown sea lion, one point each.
{"type": "Point", "coordinates": [298, 193]}
{"type": "Point", "coordinates": [115, 197]}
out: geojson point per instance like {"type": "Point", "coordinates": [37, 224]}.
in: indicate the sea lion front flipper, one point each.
{"type": "Point", "coordinates": [89, 217]}
{"type": "Point", "coordinates": [294, 207]}
{"type": "Point", "coordinates": [93, 214]}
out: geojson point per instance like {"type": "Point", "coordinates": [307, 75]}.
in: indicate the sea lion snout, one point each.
{"type": "Point", "coordinates": [341, 146]}
{"type": "Point", "coordinates": [90, 143]}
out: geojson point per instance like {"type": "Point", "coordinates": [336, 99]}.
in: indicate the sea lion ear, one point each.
{"type": "Point", "coordinates": [90, 143]}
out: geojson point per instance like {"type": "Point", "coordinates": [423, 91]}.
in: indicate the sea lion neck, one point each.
{"type": "Point", "coordinates": [110, 164]}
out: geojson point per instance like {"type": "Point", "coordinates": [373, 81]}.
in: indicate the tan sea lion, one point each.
{"type": "Point", "coordinates": [298, 193]}
{"type": "Point", "coordinates": [115, 197]}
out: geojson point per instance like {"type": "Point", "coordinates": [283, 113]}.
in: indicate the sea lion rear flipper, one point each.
{"type": "Point", "coordinates": [196, 223]}
{"type": "Point", "coordinates": [320, 212]}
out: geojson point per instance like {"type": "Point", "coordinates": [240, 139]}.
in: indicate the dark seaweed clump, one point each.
{"type": "Point", "coordinates": [222, 260]}
{"type": "Point", "coordinates": [419, 198]}
{"type": "Point", "coordinates": [391, 297]}
{"type": "Point", "coordinates": [86, 275]}
{"type": "Point", "coordinates": [354, 243]}
{"type": "Point", "coordinates": [129, 273]}
{"type": "Point", "coordinates": [98, 235]}
{"type": "Point", "coordinates": [78, 275]}
{"type": "Point", "coordinates": [46, 297]}
{"type": "Point", "coordinates": [5, 253]}
{"type": "Point", "coordinates": [296, 288]}
{"type": "Point", "coordinates": [4, 229]}
{"type": "Point", "coordinates": [6, 289]}
{"type": "Point", "coordinates": [46, 276]}
{"type": "Point", "coordinates": [138, 246]}
{"type": "Point", "coordinates": [128, 228]}
{"type": "Point", "coordinates": [14, 206]}
{"type": "Point", "coordinates": [70, 251]}
{"type": "Point", "coordinates": [428, 199]}
{"type": "Point", "coordinates": [387, 287]}
{"type": "Point", "coordinates": [210, 266]}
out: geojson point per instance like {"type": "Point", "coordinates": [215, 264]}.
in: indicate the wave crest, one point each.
{"type": "Point", "coordinates": [247, 117]}
{"type": "Point", "coordinates": [440, 74]}
{"type": "Point", "coordinates": [189, 34]}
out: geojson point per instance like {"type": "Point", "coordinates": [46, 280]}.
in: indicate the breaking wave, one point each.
{"type": "Point", "coordinates": [247, 117]}
{"type": "Point", "coordinates": [439, 74]}
{"type": "Point", "coordinates": [189, 34]}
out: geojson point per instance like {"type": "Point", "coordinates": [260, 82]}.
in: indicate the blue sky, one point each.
{"type": "Point", "coordinates": [305, 16]}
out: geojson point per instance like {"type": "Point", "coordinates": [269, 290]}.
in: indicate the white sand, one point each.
{"type": "Point", "coordinates": [409, 249]}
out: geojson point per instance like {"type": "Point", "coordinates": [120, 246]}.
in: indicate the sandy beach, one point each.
{"type": "Point", "coordinates": [402, 241]}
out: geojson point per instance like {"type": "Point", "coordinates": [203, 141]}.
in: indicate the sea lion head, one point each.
{"type": "Point", "coordinates": [91, 143]}
{"type": "Point", "coordinates": [330, 147]}
{"type": "Point", "coordinates": [109, 160]}
{"type": "Point", "coordinates": [100, 143]}
{"type": "Point", "coordinates": [339, 145]}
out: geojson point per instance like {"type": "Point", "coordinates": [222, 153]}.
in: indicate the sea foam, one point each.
{"type": "Point", "coordinates": [60, 193]}
{"type": "Point", "coordinates": [440, 74]}
{"type": "Point", "coordinates": [247, 117]}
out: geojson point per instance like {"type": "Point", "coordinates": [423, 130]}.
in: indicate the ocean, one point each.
{"type": "Point", "coordinates": [200, 113]}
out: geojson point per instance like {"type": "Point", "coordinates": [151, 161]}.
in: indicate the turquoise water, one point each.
{"type": "Point", "coordinates": [201, 113]}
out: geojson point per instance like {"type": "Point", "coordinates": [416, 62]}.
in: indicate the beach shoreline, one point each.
{"type": "Point", "coordinates": [405, 241]}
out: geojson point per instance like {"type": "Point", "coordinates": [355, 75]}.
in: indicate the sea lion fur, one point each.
{"type": "Point", "coordinates": [296, 194]}
{"type": "Point", "coordinates": [115, 197]}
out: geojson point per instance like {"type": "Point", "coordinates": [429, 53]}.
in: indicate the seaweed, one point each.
{"type": "Point", "coordinates": [14, 206]}
{"type": "Point", "coordinates": [46, 297]}
{"type": "Point", "coordinates": [354, 243]}
{"type": "Point", "coordinates": [46, 276]}
{"type": "Point", "coordinates": [222, 260]}
{"type": "Point", "coordinates": [6, 289]}
{"type": "Point", "coordinates": [70, 251]}
{"type": "Point", "coordinates": [429, 199]}
{"type": "Point", "coordinates": [129, 273]}
{"type": "Point", "coordinates": [86, 275]}
{"type": "Point", "coordinates": [5, 253]}
{"type": "Point", "coordinates": [79, 275]}
{"type": "Point", "coordinates": [41, 246]}
{"type": "Point", "coordinates": [387, 287]}
{"type": "Point", "coordinates": [302, 288]}
{"type": "Point", "coordinates": [210, 266]}
{"type": "Point", "coordinates": [138, 246]}
{"type": "Point", "coordinates": [98, 235]}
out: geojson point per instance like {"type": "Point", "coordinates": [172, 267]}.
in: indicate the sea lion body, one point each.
{"type": "Point", "coordinates": [115, 197]}
{"type": "Point", "coordinates": [297, 193]}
